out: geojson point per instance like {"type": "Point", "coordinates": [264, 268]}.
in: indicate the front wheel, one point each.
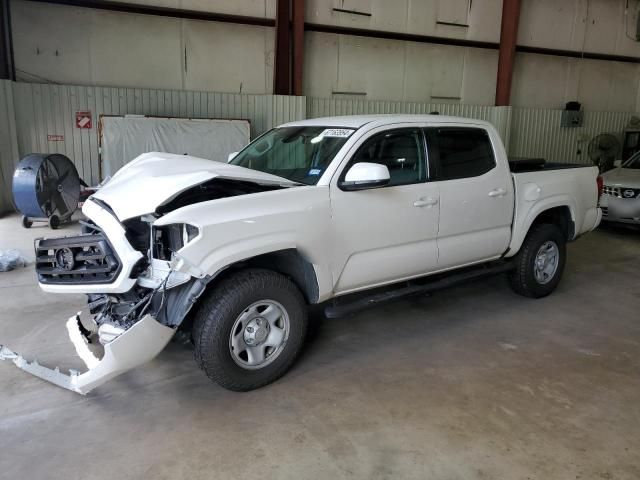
{"type": "Point", "coordinates": [540, 263]}
{"type": "Point", "coordinates": [250, 329]}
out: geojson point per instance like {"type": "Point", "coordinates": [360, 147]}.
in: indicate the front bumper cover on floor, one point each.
{"type": "Point", "coordinates": [139, 344]}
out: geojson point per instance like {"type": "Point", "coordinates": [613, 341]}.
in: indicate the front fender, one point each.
{"type": "Point", "coordinates": [230, 253]}
{"type": "Point", "coordinates": [242, 227]}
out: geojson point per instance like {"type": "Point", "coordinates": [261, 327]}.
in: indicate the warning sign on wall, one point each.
{"type": "Point", "coordinates": [83, 119]}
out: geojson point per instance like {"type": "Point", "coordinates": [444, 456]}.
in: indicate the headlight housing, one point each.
{"type": "Point", "coordinates": [168, 239]}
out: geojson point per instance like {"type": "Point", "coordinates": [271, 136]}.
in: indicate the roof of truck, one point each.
{"type": "Point", "coordinates": [357, 121]}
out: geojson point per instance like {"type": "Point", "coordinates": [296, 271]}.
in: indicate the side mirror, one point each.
{"type": "Point", "coordinates": [231, 156]}
{"type": "Point", "coordinates": [365, 175]}
{"type": "Point", "coordinates": [617, 163]}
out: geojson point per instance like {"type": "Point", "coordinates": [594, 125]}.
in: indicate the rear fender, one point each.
{"type": "Point", "coordinates": [525, 217]}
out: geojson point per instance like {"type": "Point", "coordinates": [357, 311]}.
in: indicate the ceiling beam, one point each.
{"type": "Point", "coordinates": [124, 7]}
{"type": "Point", "coordinates": [461, 42]}
{"type": "Point", "coordinates": [407, 37]}
{"type": "Point", "coordinates": [607, 57]}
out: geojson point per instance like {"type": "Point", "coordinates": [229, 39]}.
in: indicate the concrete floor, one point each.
{"type": "Point", "coordinates": [472, 383]}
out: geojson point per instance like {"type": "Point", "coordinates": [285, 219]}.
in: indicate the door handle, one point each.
{"type": "Point", "coordinates": [426, 202]}
{"type": "Point", "coordinates": [498, 192]}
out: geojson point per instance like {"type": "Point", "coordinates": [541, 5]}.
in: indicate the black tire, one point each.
{"type": "Point", "coordinates": [54, 222]}
{"type": "Point", "coordinates": [522, 279]}
{"type": "Point", "coordinates": [26, 223]}
{"type": "Point", "coordinates": [217, 315]}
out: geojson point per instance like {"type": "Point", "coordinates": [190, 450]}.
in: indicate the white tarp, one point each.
{"type": "Point", "coordinates": [124, 138]}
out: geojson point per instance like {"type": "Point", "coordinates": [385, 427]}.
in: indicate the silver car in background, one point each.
{"type": "Point", "coordinates": [620, 201]}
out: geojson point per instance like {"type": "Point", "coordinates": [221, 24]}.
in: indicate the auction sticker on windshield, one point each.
{"type": "Point", "coordinates": [337, 132]}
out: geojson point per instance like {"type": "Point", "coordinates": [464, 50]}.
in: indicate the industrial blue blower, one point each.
{"type": "Point", "coordinates": [46, 187]}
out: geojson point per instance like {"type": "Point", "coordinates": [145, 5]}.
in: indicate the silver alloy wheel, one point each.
{"type": "Point", "coordinates": [259, 334]}
{"type": "Point", "coordinates": [546, 262]}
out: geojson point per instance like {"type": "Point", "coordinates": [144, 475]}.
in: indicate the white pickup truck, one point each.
{"type": "Point", "coordinates": [345, 211]}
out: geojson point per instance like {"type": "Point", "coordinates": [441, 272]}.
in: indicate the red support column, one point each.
{"type": "Point", "coordinates": [508, 38]}
{"type": "Point", "coordinates": [282, 76]}
{"type": "Point", "coordinates": [298, 46]}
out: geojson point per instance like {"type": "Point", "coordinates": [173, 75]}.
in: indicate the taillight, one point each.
{"type": "Point", "coordinates": [600, 183]}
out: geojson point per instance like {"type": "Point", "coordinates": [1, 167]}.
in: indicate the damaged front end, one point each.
{"type": "Point", "coordinates": [124, 332]}
{"type": "Point", "coordinates": [149, 289]}
{"type": "Point", "coordinates": [133, 265]}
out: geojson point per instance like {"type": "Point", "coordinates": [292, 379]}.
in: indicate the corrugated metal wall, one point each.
{"type": "Point", "coordinates": [525, 131]}
{"type": "Point", "coordinates": [32, 115]}
{"type": "Point", "coordinates": [8, 146]}
{"type": "Point", "coordinates": [537, 132]}
{"type": "Point", "coordinates": [324, 107]}
{"type": "Point", "coordinates": [43, 111]}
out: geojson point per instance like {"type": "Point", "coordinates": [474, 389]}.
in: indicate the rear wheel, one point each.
{"type": "Point", "coordinates": [26, 223]}
{"type": "Point", "coordinates": [540, 263]}
{"type": "Point", "coordinates": [250, 329]}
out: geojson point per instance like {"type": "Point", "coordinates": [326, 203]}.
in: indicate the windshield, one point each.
{"type": "Point", "coordinates": [633, 162]}
{"type": "Point", "coordinates": [299, 154]}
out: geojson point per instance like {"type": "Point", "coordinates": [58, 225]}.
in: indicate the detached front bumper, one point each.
{"type": "Point", "coordinates": [137, 345]}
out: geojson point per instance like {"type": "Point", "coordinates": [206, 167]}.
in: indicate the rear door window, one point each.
{"type": "Point", "coordinates": [460, 152]}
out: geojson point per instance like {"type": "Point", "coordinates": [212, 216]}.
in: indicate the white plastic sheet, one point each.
{"type": "Point", "coordinates": [124, 138]}
{"type": "Point", "coordinates": [11, 259]}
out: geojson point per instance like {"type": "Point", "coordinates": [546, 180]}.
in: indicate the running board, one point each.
{"type": "Point", "coordinates": [451, 280]}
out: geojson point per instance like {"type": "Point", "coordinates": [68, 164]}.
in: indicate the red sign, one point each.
{"type": "Point", "coordinates": [83, 119]}
{"type": "Point", "coordinates": [55, 138]}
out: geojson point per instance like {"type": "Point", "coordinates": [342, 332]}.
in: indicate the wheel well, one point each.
{"type": "Point", "coordinates": [287, 262]}
{"type": "Point", "coordinates": [559, 216]}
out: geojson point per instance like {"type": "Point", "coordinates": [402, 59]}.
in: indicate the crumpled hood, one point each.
{"type": "Point", "coordinates": [622, 177]}
{"type": "Point", "coordinates": [153, 178]}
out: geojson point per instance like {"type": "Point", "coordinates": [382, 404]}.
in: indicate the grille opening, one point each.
{"type": "Point", "coordinates": [621, 192]}
{"type": "Point", "coordinates": [80, 259]}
